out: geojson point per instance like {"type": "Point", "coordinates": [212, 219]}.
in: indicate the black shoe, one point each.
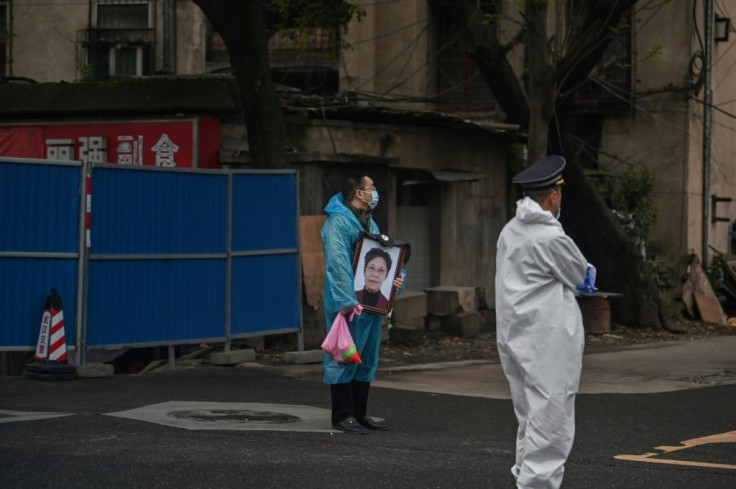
{"type": "Point", "coordinates": [350, 425]}
{"type": "Point", "coordinates": [372, 424]}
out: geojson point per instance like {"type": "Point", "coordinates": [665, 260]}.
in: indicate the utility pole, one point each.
{"type": "Point", "coordinates": [707, 119]}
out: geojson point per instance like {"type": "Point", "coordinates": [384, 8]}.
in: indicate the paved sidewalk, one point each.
{"type": "Point", "coordinates": [639, 369]}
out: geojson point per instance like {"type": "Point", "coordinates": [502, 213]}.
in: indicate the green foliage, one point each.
{"type": "Point", "coordinates": [653, 51]}
{"type": "Point", "coordinates": [88, 72]}
{"type": "Point", "coordinates": [715, 268]}
{"type": "Point", "coordinates": [492, 19]}
{"type": "Point", "coordinates": [301, 18]}
{"type": "Point", "coordinates": [631, 202]}
{"type": "Point", "coordinates": [665, 271]}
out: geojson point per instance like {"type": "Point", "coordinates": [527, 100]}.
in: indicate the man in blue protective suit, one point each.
{"type": "Point", "coordinates": [349, 214]}
{"type": "Point", "coordinates": [539, 327]}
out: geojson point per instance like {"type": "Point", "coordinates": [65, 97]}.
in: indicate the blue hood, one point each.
{"type": "Point", "coordinates": [336, 205]}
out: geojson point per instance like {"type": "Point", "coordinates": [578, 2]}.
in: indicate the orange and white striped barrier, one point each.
{"type": "Point", "coordinates": [51, 360]}
{"type": "Point", "coordinates": [51, 345]}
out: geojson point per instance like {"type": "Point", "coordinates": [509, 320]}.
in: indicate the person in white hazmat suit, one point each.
{"type": "Point", "coordinates": [539, 326]}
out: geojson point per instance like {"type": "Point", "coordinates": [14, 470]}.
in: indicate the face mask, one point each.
{"type": "Point", "coordinates": [559, 211]}
{"type": "Point", "coordinates": [374, 202]}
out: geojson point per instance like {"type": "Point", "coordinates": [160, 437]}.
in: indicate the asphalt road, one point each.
{"type": "Point", "coordinates": [102, 435]}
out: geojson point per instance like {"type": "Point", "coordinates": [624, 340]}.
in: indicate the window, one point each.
{"type": "Point", "coordinates": [126, 60]}
{"type": "Point", "coordinates": [609, 87]}
{"type": "Point", "coordinates": [123, 16]}
{"type": "Point", "coordinates": [459, 84]}
{"type": "Point", "coordinates": [121, 44]}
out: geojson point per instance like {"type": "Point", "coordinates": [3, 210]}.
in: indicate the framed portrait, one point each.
{"type": "Point", "coordinates": [377, 262]}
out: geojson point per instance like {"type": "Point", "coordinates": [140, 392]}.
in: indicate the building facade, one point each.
{"type": "Point", "coordinates": [441, 177]}
{"type": "Point", "coordinates": [643, 107]}
{"type": "Point", "coordinates": [69, 40]}
{"type": "Point", "coordinates": [666, 131]}
{"type": "Point", "coordinates": [407, 102]}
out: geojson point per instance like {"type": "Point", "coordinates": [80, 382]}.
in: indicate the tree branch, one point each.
{"type": "Point", "coordinates": [489, 55]}
{"type": "Point", "coordinates": [587, 45]}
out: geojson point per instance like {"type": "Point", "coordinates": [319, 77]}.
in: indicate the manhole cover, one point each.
{"type": "Point", "coordinates": [240, 416]}
{"type": "Point", "coordinates": [235, 416]}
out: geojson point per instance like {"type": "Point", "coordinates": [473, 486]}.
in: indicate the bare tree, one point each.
{"type": "Point", "coordinates": [561, 48]}
{"type": "Point", "coordinates": [245, 28]}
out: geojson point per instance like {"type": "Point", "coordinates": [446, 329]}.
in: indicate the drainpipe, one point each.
{"type": "Point", "coordinates": [169, 36]}
{"type": "Point", "coordinates": [707, 118]}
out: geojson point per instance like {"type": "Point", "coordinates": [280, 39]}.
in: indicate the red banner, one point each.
{"type": "Point", "coordinates": [192, 143]}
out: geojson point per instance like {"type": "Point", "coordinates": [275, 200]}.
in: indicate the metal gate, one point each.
{"type": "Point", "coordinates": [146, 256]}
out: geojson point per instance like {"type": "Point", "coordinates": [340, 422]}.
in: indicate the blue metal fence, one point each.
{"type": "Point", "coordinates": [157, 264]}
{"type": "Point", "coordinates": [39, 246]}
{"type": "Point", "coordinates": [264, 254]}
{"type": "Point", "coordinates": [176, 256]}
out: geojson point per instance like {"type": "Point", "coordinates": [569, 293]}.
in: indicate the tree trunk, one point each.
{"type": "Point", "coordinates": [621, 268]}
{"type": "Point", "coordinates": [539, 121]}
{"type": "Point", "coordinates": [243, 30]}
{"type": "Point", "coordinates": [550, 73]}
{"type": "Point", "coordinates": [541, 89]}
{"type": "Point", "coordinates": [501, 79]}
{"type": "Point", "coordinates": [489, 56]}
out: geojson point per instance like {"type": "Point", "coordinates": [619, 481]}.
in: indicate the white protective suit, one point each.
{"type": "Point", "coordinates": [540, 339]}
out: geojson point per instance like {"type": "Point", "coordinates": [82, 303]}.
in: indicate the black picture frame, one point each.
{"type": "Point", "coordinates": [381, 304]}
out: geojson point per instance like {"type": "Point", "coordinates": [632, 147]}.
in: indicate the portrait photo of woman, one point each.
{"type": "Point", "coordinates": [375, 271]}
{"type": "Point", "coordinates": [376, 266]}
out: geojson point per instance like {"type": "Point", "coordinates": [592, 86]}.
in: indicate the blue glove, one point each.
{"type": "Point", "coordinates": [589, 285]}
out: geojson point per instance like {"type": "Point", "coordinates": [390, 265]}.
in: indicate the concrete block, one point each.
{"type": "Point", "coordinates": [95, 370]}
{"type": "Point", "coordinates": [232, 357]}
{"type": "Point", "coordinates": [433, 323]}
{"type": "Point", "coordinates": [447, 299]}
{"type": "Point", "coordinates": [464, 324]}
{"type": "Point", "coordinates": [410, 306]}
{"type": "Point", "coordinates": [417, 322]}
{"type": "Point", "coordinates": [489, 320]}
{"type": "Point", "coordinates": [481, 298]}
{"type": "Point", "coordinates": [384, 330]}
{"type": "Point", "coordinates": [406, 335]}
{"type": "Point", "coordinates": [303, 357]}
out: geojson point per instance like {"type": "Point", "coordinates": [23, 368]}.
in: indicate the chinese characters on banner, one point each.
{"type": "Point", "coordinates": [166, 144]}
{"type": "Point", "coordinates": [129, 150]}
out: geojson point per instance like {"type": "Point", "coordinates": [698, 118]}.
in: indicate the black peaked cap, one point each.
{"type": "Point", "coordinates": [545, 173]}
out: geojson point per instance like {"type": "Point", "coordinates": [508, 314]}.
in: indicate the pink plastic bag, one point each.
{"type": "Point", "coordinates": [339, 343]}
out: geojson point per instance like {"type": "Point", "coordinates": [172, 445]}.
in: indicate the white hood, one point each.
{"type": "Point", "coordinates": [528, 211]}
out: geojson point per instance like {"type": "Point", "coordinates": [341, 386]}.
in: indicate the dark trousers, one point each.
{"type": "Point", "coordinates": [349, 400]}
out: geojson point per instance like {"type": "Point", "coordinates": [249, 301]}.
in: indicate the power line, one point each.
{"type": "Point", "coordinates": [428, 60]}
{"type": "Point", "coordinates": [389, 33]}
{"type": "Point", "coordinates": [433, 58]}
{"type": "Point", "coordinates": [413, 45]}
{"type": "Point", "coordinates": [390, 62]}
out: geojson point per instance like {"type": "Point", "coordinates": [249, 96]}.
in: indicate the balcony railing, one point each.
{"type": "Point", "coordinates": [116, 36]}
